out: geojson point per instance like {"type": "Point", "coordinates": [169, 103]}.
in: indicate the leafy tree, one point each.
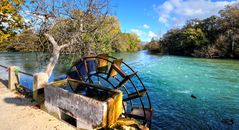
{"type": "Point", "coordinates": [153, 45]}
{"type": "Point", "coordinates": [10, 19]}
{"type": "Point", "coordinates": [211, 28]}
{"type": "Point", "coordinates": [215, 36]}
{"type": "Point", "coordinates": [23, 41]}
{"type": "Point", "coordinates": [134, 42]}
{"type": "Point", "coordinates": [107, 35]}
{"type": "Point", "coordinates": [229, 23]}
{"type": "Point", "coordinates": [127, 42]}
{"type": "Point", "coordinates": [73, 20]}
{"type": "Point", "coordinates": [192, 39]}
{"type": "Point", "coordinates": [172, 42]}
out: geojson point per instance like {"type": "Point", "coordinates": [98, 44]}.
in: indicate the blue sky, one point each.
{"type": "Point", "coordinates": [152, 18]}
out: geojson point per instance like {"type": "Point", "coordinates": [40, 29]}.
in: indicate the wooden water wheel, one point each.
{"type": "Point", "coordinates": [114, 73]}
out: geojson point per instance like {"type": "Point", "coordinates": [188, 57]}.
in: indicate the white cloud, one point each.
{"type": "Point", "coordinates": [145, 36]}
{"type": "Point", "coordinates": [164, 18]}
{"type": "Point", "coordinates": [177, 12]}
{"type": "Point", "coordinates": [146, 26]}
{"type": "Point", "coordinates": [137, 31]}
{"type": "Point", "coordinates": [152, 35]}
{"type": "Point", "coordinates": [167, 6]}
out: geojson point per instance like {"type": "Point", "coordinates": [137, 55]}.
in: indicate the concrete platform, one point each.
{"type": "Point", "coordinates": [18, 113]}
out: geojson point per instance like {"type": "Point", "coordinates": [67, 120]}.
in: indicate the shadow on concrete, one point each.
{"type": "Point", "coordinates": [19, 101]}
{"type": "Point", "coordinates": [4, 82]}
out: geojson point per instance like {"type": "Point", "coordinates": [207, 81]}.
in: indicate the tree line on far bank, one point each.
{"type": "Point", "coordinates": [101, 36]}
{"type": "Point", "coordinates": [213, 37]}
{"type": "Point", "coordinates": [28, 41]}
{"type": "Point", "coordinates": [108, 39]}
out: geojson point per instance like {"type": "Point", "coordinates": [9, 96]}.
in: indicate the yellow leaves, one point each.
{"type": "Point", "coordinates": [6, 7]}
{"type": "Point", "coordinates": [111, 25]}
{"type": "Point", "coordinates": [10, 6]}
{"type": "Point", "coordinates": [77, 14]}
{"type": "Point", "coordinates": [10, 18]}
{"type": "Point", "coordinates": [3, 36]}
{"type": "Point", "coordinates": [18, 1]}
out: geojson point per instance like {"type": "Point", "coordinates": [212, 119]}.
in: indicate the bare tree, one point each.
{"type": "Point", "coordinates": [65, 23]}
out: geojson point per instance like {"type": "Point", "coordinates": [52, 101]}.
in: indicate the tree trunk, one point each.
{"type": "Point", "coordinates": [40, 79]}
{"type": "Point", "coordinates": [54, 57]}
{"type": "Point", "coordinates": [53, 60]}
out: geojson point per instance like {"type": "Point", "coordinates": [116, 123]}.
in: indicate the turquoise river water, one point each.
{"type": "Point", "coordinates": [171, 81]}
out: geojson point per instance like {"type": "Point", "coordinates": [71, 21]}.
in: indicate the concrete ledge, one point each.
{"type": "Point", "coordinates": [87, 111]}
{"type": "Point", "coordinates": [19, 113]}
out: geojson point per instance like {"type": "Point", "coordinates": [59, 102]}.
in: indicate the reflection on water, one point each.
{"type": "Point", "coordinates": [171, 81]}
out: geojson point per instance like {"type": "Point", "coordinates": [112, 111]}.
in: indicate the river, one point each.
{"type": "Point", "coordinates": [171, 81]}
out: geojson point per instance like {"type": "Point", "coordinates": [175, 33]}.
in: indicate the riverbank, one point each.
{"type": "Point", "coordinates": [18, 112]}
{"type": "Point", "coordinates": [157, 52]}
{"type": "Point", "coordinates": [172, 80]}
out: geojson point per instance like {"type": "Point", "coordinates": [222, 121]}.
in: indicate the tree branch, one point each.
{"type": "Point", "coordinates": [51, 39]}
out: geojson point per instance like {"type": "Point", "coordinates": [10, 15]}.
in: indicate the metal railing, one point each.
{"type": "Point", "coordinates": [22, 72]}
{"type": "Point", "coordinates": [20, 84]}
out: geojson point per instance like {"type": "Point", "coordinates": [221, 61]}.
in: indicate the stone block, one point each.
{"type": "Point", "coordinates": [39, 81]}
{"type": "Point", "coordinates": [13, 77]}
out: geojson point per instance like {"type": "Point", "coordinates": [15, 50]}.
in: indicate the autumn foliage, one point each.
{"type": "Point", "coordinates": [10, 19]}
